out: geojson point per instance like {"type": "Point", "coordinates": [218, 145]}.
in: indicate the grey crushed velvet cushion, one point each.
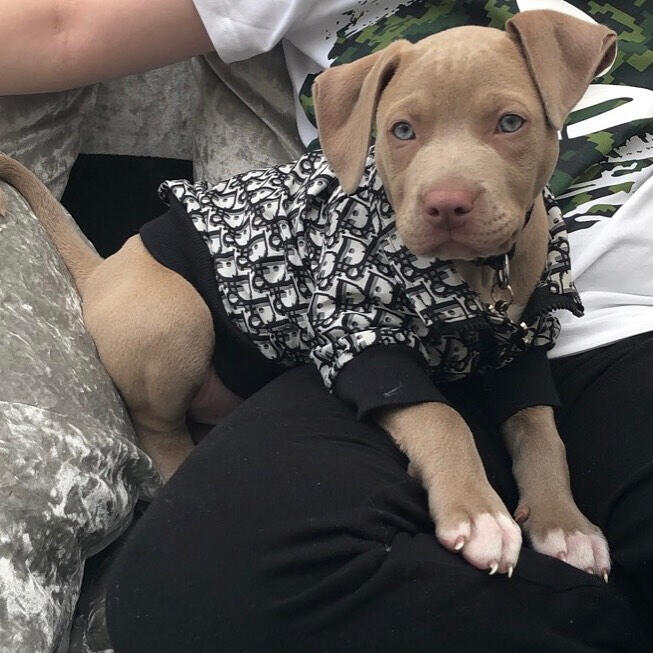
{"type": "Point", "coordinates": [245, 116]}
{"type": "Point", "coordinates": [149, 114]}
{"type": "Point", "coordinates": [43, 131]}
{"type": "Point", "coordinates": [70, 472]}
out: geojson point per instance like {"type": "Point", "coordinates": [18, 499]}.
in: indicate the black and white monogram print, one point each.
{"type": "Point", "coordinates": [309, 273]}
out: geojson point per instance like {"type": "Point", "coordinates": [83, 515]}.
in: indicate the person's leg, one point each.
{"type": "Point", "coordinates": [292, 527]}
{"type": "Point", "coordinates": [607, 426]}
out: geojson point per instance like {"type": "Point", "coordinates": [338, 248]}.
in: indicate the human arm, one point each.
{"type": "Point", "coordinates": [50, 45]}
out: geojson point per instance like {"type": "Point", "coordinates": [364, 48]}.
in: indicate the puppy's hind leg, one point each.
{"type": "Point", "coordinates": [154, 334]}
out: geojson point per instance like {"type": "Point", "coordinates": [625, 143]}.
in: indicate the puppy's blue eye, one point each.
{"type": "Point", "coordinates": [403, 131]}
{"type": "Point", "coordinates": [511, 122]}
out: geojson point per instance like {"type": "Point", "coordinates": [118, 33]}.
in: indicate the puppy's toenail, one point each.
{"type": "Point", "coordinates": [510, 570]}
{"type": "Point", "coordinates": [521, 515]}
{"type": "Point", "coordinates": [493, 568]}
{"type": "Point", "coordinates": [605, 575]}
{"type": "Point", "coordinates": [589, 570]}
{"type": "Point", "coordinates": [460, 543]}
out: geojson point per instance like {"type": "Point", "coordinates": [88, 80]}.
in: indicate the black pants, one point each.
{"type": "Point", "coordinates": [294, 528]}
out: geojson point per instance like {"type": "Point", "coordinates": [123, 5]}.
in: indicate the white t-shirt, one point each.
{"type": "Point", "coordinates": [604, 180]}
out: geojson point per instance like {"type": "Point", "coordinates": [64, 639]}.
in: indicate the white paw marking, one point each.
{"type": "Point", "coordinates": [451, 537]}
{"type": "Point", "coordinates": [588, 552]}
{"type": "Point", "coordinates": [491, 542]}
{"type": "Point", "coordinates": [552, 544]}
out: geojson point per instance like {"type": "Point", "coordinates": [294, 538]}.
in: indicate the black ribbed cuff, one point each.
{"type": "Point", "coordinates": [386, 375]}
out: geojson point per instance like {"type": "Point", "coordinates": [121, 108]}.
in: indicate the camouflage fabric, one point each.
{"type": "Point", "coordinates": [600, 169]}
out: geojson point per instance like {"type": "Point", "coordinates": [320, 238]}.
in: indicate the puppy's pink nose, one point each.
{"type": "Point", "coordinates": [448, 208]}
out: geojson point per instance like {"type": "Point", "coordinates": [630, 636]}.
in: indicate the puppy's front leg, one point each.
{"type": "Point", "coordinates": [547, 511]}
{"type": "Point", "coordinates": [469, 516]}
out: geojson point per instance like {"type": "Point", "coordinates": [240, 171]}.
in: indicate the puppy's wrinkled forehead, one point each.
{"type": "Point", "coordinates": [445, 70]}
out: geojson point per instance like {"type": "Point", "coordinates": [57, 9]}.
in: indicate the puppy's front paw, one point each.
{"type": "Point", "coordinates": [469, 516]}
{"type": "Point", "coordinates": [479, 527]}
{"type": "Point", "coordinates": [560, 530]}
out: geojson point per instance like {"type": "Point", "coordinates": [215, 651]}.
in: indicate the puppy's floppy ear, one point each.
{"type": "Point", "coordinates": [563, 54]}
{"type": "Point", "coordinates": [346, 98]}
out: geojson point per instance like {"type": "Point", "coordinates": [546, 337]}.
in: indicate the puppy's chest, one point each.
{"type": "Point", "coordinates": [482, 280]}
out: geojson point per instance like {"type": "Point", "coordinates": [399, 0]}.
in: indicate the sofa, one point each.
{"type": "Point", "coordinates": [72, 477]}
